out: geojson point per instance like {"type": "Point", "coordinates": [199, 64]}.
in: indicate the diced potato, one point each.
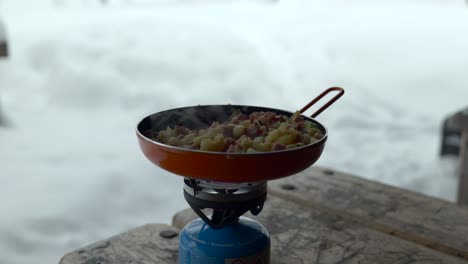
{"type": "Point", "coordinates": [238, 131]}
{"type": "Point", "coordinates": [188, 139]}
{"type": "Point", "coordinates": [283, 126]}
{"type": "Point", "coordinates": [270, 139]}
{"type": "Point", "coordinates": [313, 140]}
{"type": "Point", "coordinates": [217, 130]}
{"type": "Point", "coordinates": [162, 136]}
{"type": "Point", "coordinates": [245, 123]}
{"type": "Point", "coordinates": [286, 139]}
{"type": "Point", "coordinates": [258, 139]}
{"type": "Point", "coordinates": [261, 146]}
{"type": "Point", "coordinates": [216, 144]}
{"type": "Point", "coordinates": [170, 132]}
{"type": "Point", "coordinates": [251, 150]}
{"type": "Point", "coordinates": [312, 130]}
{"type": "Point", "coordinates": [275, 125]}
{"type": "Point", "coordinates": [207, 144]}
{"type": "Point", "coordinates": [273, 136]}
{"type": "Point", "coordinates": [173, 141]}
{"type": "Point", "coordinates": [198, 140]}
{"type": "Point", "coordinates": [211, 132]}
{"type": "Point", "coordinates": [305, 138]}
{"type": "Point", "coordinates": [245, 142]}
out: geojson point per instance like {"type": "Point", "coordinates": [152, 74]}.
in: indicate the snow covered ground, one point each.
{"type": "Point", "coordinates": [82, 75]}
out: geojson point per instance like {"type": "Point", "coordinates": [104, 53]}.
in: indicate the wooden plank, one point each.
{"type": "Point", "coordinates": [429, 222]}
{"type": "Point", "coordinates": [3, 49]}
{"type": "Point", "coordinates": [142, 245]}
{"type": "Point", "coordinates": [302, 235]}
{"type": "Point", "coordinates": [463, 169]}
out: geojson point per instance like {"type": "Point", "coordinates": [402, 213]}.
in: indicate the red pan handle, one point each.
{"type": "Point", "coordinates": [325, 106]}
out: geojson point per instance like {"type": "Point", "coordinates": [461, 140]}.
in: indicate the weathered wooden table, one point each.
{"type": "Point", "coordinates": [320, 216]}
{"type": "Point", "coordinates": [3, 49]}
{"type": "Point", "coordinates": [3, 42]}
{"type": "Point", "coordinates": [455, 142]}
{"type": "Point", "coordinates": [3, 53]}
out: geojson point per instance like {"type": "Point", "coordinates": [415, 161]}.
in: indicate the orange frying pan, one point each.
{"type": "Point", "coordinates": [221, 166]}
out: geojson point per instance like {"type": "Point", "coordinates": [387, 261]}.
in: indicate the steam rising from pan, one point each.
{"type": "Point", "coordinates": [198, 117]}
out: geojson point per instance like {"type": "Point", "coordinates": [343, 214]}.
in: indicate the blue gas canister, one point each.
{"type": "Point", "coordinates": [243, 242]}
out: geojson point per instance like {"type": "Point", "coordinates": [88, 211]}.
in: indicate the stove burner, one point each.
{"type": "Point", "coordinates": [228, 201]}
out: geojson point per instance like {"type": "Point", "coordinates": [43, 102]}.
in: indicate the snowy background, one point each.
{"type": "Point", "coordinates": [81, 75]}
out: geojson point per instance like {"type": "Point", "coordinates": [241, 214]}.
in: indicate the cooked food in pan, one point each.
{"type": "Point", "coordinates": [241, 133]}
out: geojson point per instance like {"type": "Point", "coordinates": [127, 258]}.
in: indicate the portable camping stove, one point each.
{"type": "Point", "coordinates": [230, 184]}
{"type": "Point", "coordinates": [225, 236]}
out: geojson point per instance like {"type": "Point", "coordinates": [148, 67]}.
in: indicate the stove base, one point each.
{"type": "Point", "coordinates": [244, 242]}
